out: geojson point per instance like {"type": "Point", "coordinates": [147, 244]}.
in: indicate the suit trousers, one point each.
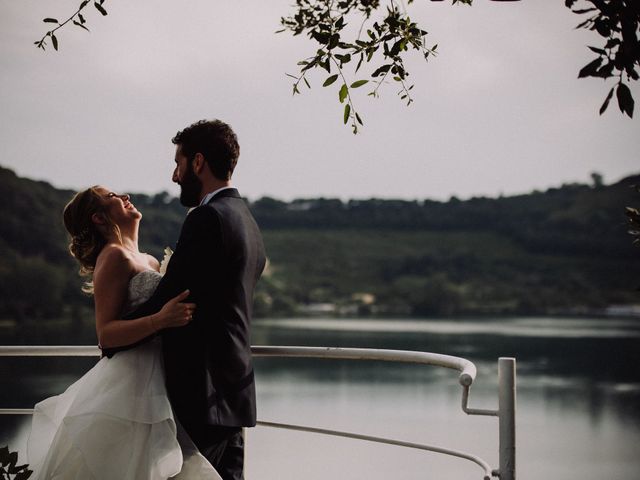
{"type": "Point", "coordinates": [224, 448]}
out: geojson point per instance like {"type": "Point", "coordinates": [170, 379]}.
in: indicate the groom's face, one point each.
{"type": "Point", "coordinates": [190, 184]}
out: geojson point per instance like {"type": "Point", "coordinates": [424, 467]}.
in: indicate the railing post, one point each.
{"type": "Point", "coordinates": [507, 417]}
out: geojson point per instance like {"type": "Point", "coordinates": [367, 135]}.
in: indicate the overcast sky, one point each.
{"type": "Point", "coordinates": [499, 111]}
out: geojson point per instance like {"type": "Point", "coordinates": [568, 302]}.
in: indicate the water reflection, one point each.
{"type": "Point", "coordinates": [578, 384]}
{"type": "Point", "coordinates": [578, 397]}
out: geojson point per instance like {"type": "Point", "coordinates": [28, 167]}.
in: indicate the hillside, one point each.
{"type": "Point", "coordinates": [564, 250]}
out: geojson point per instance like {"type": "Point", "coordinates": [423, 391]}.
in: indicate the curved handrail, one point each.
{"type": "Point", "coordinates": [50, 351]}
{"type": "Point", "coordinates": [387, 441]}
{"type": "Point", "coordinates": [465, 367]}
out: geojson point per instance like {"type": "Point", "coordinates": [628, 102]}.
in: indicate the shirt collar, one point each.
{"type": "Point", "coordinates": [210, 195]}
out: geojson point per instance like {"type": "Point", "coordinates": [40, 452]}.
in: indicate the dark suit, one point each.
{"type": "Point", "coordinates": [209, 372]}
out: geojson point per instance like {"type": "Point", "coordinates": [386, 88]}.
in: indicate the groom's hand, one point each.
{"type": "Point", "coordinates": [174, 313]}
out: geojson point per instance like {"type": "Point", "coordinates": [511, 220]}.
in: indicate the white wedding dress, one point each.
{"type": "Point", "coordinates": [115, 422]}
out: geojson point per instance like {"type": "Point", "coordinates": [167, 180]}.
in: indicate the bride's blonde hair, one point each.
{"type": "Point", "coordinates": [87, 239]}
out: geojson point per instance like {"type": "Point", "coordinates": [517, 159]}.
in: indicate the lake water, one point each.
{"type": "Point", "coordinates": [578, 398]}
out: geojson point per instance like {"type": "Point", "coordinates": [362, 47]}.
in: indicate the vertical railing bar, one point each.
{"type": "Point", "coordinates": [507, 418]}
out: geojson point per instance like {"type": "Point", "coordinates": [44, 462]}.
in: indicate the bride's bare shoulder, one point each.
{"type": "Point", "coordinates": [114, 258]}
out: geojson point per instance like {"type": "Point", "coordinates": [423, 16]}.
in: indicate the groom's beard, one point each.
{"type": "Point", "coordinates": [190, 188]}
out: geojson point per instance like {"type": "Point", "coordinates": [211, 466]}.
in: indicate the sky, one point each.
{"type": "Point", "coordinates": [499, 111]}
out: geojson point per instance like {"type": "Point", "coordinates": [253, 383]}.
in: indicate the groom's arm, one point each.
{"type": "Point", "coordinates": [199, 239]}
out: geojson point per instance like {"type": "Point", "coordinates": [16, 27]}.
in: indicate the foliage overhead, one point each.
{"type": "Point", "coordinates": [386, 34]}
{"type": "Point", "coordinates": [8, 468]}
{"type": "Point", "coordinates": [384, 41]}
{"type": "Point", "coordinates": [77, 19]}
{"type": "Point", "coordinates": [618, 23]}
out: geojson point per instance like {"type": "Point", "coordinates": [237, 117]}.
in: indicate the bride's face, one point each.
{"type": "Point", "coordinates": [118, 206]}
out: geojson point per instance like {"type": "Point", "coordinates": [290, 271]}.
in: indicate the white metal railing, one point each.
{"type": "Point", "coordinates": [466, 369]}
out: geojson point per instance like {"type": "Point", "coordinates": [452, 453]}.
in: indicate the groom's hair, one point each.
{"type": "Point", "coordinates": [217, 143]}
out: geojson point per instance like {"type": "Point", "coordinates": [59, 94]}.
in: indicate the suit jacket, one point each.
{"type": "Point", "coordinates": [219, 258]}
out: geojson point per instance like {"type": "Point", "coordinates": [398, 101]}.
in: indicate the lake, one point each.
{"type": "Point", "coordinates": [578, 398]}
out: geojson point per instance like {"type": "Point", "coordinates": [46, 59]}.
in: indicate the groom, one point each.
{"type": "Point", "coordinates": [219, 258]}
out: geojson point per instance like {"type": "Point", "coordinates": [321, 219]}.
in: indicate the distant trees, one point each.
{"type": "Point", "coordinates": [597, 179]}
{"type": "Point", "coordinates": [633, 217]}
{"type": "Point", "coordinates": [31, 289]}
{"type": "Point", "coordinates": [563, 250]}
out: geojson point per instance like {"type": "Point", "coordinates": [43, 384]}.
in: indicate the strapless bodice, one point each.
{"type": "Point", "coordinates": [141, 287]}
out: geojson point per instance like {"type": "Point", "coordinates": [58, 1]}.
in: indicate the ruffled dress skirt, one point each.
{"type": "Point", "coordinates": [115, 423]}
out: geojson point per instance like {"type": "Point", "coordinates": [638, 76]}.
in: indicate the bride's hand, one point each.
{"type": "Point", "coordinates": [174, 313]}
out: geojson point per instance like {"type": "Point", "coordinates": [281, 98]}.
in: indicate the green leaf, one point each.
{"type": "Point", "coordinates": [606, 101]}
{"type": "Point", "coordinates": [50, 20]}
{"type": "Point", "coordinates": [321, 37]}
{"type": "Point", "coordinates": [81, 25]}
{"type": "Point", "coordinates": [599, 51]}
{"type": "Point", "coordinates": [100, 8]}
{"type": "Point", "coordinates": [590, 70]}
{"type": "Point", "coordinates": [333, 41]}
{"type": "Point", "coordinates": [359, 119]}
{"type": "Point", "coordinates": [379, 71]}
{"type": "Point", "coordinates": [625, 100]}
{"type": "Point", "coordinates": [330, 80]}
{"type": "Point", "coordinates": [359, 83]}
{"type": "Point", "coordinates": [4, 455]}
{"type": "Point", "coordinates": [344, 91]}
{"type": "Point", "coordinates": [347, 111]}
{"type": "Point", "coordinates": [612, 42]}
{"type": "Point", "coordinates": [23, 475]}
{"type": "Point", "coordinates": [606, 70]}
{"type": "Point", "coordinates": [54, 40]}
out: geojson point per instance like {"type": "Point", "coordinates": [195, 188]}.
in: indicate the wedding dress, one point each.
{"type": "Point", "coordinates": [115, 422]}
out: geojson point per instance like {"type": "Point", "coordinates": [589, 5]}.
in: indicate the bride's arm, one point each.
{"type": "Point", "coordinates": [110, 282]}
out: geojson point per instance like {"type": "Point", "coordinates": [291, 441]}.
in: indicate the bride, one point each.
{"type": "Point", "coordinates": [116, 421]}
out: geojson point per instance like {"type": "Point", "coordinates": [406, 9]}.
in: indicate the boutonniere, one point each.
{"type": "Point", "coordinates": [165, 260]}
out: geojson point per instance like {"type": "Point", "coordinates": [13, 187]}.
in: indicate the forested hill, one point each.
{"type": "Point", "coordinates": [564, 250]}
